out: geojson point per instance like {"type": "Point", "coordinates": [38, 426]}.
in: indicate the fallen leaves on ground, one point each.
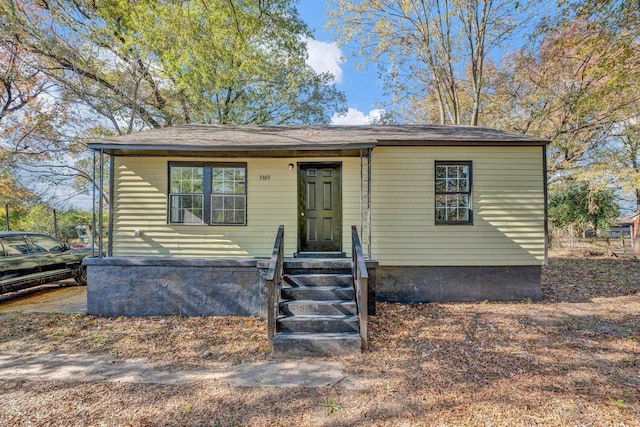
{"type": "Point", "coordinates": [571, 359]}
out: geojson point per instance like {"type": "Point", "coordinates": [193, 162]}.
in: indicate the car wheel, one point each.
{"type": "Point", "coordinates": [81, 276]}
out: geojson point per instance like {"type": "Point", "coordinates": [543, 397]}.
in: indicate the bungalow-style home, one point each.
{"type": "Point", "coordinates": [424, 213]}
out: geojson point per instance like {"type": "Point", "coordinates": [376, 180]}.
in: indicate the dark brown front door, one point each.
{"type": "Point", "coordinates": [319, 207]}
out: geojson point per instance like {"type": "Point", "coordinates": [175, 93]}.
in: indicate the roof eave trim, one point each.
{"type": "Point", "coordinates": [137, 147]}
{"type": "Point", "coordinates": [453, 142]}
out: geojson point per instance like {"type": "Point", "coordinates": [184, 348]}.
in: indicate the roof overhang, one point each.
{"type": "Point", "coordinates": [299, 141]}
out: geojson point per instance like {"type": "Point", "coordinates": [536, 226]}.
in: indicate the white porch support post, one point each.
{"type": "Point", "coordinates": [365, 200]}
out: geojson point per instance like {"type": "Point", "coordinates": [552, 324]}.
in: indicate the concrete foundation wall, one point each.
{"type": "Point", "coordinates": [449, 284]}
{"type": "Point", "coordinates": [166, 286]}
{"type": "Point", "coordinates": [169, 286]}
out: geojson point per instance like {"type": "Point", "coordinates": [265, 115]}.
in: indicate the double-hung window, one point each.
{"type": "Point", "coordinates": [186, 197]}
{"type": "Point", "coordinates": [453, 193]}
{"type": "Point", "coordinates": [229, 195]}
{"type": "Point", "coordinates": [208, 193]}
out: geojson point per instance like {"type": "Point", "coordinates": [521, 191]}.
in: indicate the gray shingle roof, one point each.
{"type": "Point", "coordinates": [220, 138]}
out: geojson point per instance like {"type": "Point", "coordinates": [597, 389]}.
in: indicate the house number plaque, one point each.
{"type": "Point", "coordinates": [265, 178]}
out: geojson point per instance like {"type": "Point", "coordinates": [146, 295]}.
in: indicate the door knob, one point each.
{"type": "Point", "coordinates": [302, 214]}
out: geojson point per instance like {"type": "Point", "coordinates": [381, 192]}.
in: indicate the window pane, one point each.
{"type": "Point", "coordinates": [15, 245]}
{"type": "Point", "coordinates": [463, 171]}
{"type": "Point", "coordinates": [217, 216]}
{"type": "Point", "coordinates": [451, 184]}
{"type": "Point", "coordinates": [216, 202]}
{"type": "Point", "coordinates": [217, 187]}
{"type": "Point", "coordinates": [228, 180]}
{"type": "Point", "coordinates": [241, 203]}
{"type": "Point", "coordinates": [239, 188]}
{"type": "Point", "coordinates": [186, 179]}
{"type": "Point", "coordinates": [229, 203]}
{"type": "Point", "coordinates": [186, 209]}
{"type": "Point", "coordinates": [228, 209]}
{"type": "Point", "coordinates": [45, 244]}
{"type": "Point", "coordinates": [441, 175]}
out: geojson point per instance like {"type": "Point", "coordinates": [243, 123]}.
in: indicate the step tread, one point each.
{"type": "Point", "coordinates": [317, 261]}
{"type": "Point", "coordinates": [298, 280]}
{"type": "Point", "coordinates": [319, 287]}
{"type": "Point", "coordinates": [317, 344]}
{"type": "Point", "coordinates": [309, 277]}
{"type": "Point", "coordinates": [305, 317]}
{"type": "Point", "coordinates": [319, 302]}
{"type": "Point", "coordinates": [318, 266]}
{"type": "Point", "coordinates": [318, 293]}
{"type": "Point", "coordinates": [287, 335]}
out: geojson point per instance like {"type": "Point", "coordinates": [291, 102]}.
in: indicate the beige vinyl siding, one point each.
{"type": "Point", "coordinates": [508, 208]}
{"type": "Point", "coordinates": [141, 197]}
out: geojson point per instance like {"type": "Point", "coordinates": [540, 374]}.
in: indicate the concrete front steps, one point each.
{"type": "Point", "coordinates": [318, 314]}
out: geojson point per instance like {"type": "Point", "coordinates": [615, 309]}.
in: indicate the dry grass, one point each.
{"type": "Point", "coordinates": [572, 359]}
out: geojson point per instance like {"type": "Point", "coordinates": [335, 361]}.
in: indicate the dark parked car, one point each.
{"type": "Point", "coordinates": [31, 259]}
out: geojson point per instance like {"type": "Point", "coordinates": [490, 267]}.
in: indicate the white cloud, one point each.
{"type": "Point", "coordinates": [325, 57]}
{"type": "Point", "coordinates": [356, 117]}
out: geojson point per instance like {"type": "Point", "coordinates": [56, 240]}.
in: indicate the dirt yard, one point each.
{"type": "Point", "coordinates": [572, 359]}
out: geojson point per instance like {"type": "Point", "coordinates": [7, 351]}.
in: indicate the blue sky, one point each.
{"type": "Point", "coordinates": [363, 90]}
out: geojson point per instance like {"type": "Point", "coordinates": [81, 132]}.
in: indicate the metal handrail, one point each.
{"type": "Point", "coordinates": [274, 283]}
{"type": "Point", "coordinates": [360, 282]}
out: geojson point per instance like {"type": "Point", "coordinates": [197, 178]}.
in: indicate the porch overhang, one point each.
{"type": "Point", "coordinates": [351, 150]}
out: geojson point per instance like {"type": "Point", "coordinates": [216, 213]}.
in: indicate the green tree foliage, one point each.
{"type": "Point", "coordinates": [436, 50]}
{"type": "Point", "coordinates": [69, 219]}
{"type": "Point", "coordinates": [73, 70]}
{"type": "Point", "coordinates": [14, 196]}
{"type": "Point", "coordinates": [580, 206]}
{"type": "Point", "coordinates": [150, 64]}
{"type": "Point", "coordinates": [39, 218]}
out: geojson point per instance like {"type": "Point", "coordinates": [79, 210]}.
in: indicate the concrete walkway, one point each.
{"type": "Point", "coordinates": [95, 368]}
